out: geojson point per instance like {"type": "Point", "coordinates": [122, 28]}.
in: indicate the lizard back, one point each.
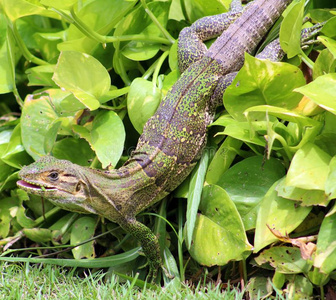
{"type": "Point", "coordinates": [174, 137]}
{"type": "Point", "coordinates": [245, 33]}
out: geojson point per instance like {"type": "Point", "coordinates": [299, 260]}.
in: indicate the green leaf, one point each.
{"type": "Point", "coordinates": [245, 132]}
{"type": "Point", "coordinates": [6, 74]}
{"type": "Point", "coordinates": [15, 155]}
{"type": "Point", "coordinates": [82, 75]}
{"type": "Point", "coordinates": [64, 102]}
{"type": "Point", "coordinates": [41, 75]}
{"type": "Point", "coordinates": [330, 188]}
{"type": "Point", "coordinates": [309, 168]}
{"type": "Point", "coordinates": [100, 16]}
{"type": "Point", "coordinates": [257, 83]}
{"type": "Point", "coordinates": [103, 262]}
{"type": "Point", "coordinates": [285, 260]}
{"type": "Point", "coordinates": [170, 263]}
{"type": "Point", "coordinates": [278, 279]}
{"type": "Point", "coordinates": [23, 219]}
{"type": "Point", "coordinates": [259, 287]}
{"type": "Point", "coordinates": [61, 4]}
{"type": "Point", "coordinates": [37, 115]}
{"type": "Point", "coordinates": [169, 81]}
{"type": "Point", "coordinates": [139, 22]}
{"type": "Point", "coordinates": [282, 113]}
{"type": "Point", "coordinates": [10, 181]}
{"type": "Point", "coordinates": [8, 208]}
{"type": "Point", "coordinates": [279, 214]}
{"type": "Point", "coordinates": [321, 91]}
{"type": "Point", "coordinates": [51, 135]}
{"type": "Point", "coordinates": [20, 8]}
{"type": "Point", "coordinates": [6, 170]}
{"type": "Point", "coordinates": [290, 30]}
{"type": "Point", "coordinates": [325, 140]}
{"type": "Point", "coordinates": [172, 59]}
{"type": "Point", "coordinates": [197, 9]}
{"type": "Point", "coordinates": [35, 206]}
{"type": "Point", "coordinates": [194, 195]}
{"type": "Point", "coordinates": [5, 136]}
{"type": "Point", "coordinates": [142, 101]}
{"type": "Point", "coordinates": [38, 235]}
{"type": "Point", "coordinates": [48, 45]}
{"type": "Point", "coordinates": [60, 229]}
{"type": "Point", "coordinates": [306, 197]}
{"type": "Point", "coordinates": [247, 182]}
{"type": "Point", "coordinates": [299, 287]}
{"type": "Point", "coordinates": [222, 160]}
{"type": "Point", "coordinates": [329, 43]}
{"type": "Point", "coordinates": [80, 154]}
{"type": "Point", "coordinates": [82, 230]}
{"type": "Point", "coordinates": [224, 120]}
{"type": "Point", "coordinates": [329, 26]}
{"type": "Point", "coordinates": [291, 137]}
{"type": "Point", "coordinates": [106, 137]}
{"type": "Point", "coordinates": [325, 63]}
{"type": "Point", "coordinates": [325, 258]}
{"type": "Point", "coordinates": [219, 234]}
{"type": "Point", "coordinates": [318, 278]}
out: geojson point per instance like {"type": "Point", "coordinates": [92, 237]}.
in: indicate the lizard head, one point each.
{"type": "Point", "coordinates": [60, 181]}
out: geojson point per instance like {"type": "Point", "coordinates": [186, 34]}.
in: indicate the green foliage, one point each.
{"type": "Point", "coordinates": [260, 81]}
{"type": "Point", "coordinates": [83, 76]}
{"type": "Point", "coordinates": [214, 235]}
{"type": "Point", "coordinates": [37, 281]}
{"type": "Point", "coordinates": [290, 30]}
{"type": "Point", "coordinates": [89, 74]}
{"type": "Point", "coordinates": [142, 101]}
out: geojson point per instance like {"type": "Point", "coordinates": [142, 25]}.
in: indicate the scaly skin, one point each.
{"type": "Point", "coordinates": [172, 140]}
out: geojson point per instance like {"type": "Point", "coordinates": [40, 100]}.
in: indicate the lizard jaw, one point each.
{"type": "Point", "coordinates": [32, 186]}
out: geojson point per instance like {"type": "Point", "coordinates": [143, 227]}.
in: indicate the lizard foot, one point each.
{"type": "Point", "coordinates": [309, 33]}
{"type": "Point", "coordinates": [153, 272]}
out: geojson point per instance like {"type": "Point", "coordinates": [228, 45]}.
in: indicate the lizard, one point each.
{"type": "Point", "coordinates": [174, 137]}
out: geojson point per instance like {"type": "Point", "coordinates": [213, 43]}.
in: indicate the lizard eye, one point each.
{"type": "Point", "coordinates": [78, 187]}
{"type": "Point", "coordinates": [53, 176]}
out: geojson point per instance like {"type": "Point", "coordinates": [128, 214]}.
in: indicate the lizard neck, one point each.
{"type": "Point", "coordinates": [122, 193]}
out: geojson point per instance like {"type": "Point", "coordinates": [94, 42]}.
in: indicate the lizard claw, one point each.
{"type": "Point", "coordinates": [153, 271]}
{"type": "Point", "coordinates": [308, 33]}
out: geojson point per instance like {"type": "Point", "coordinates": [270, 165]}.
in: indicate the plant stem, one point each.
{"type": "Point", "coordinates": [321, 292]}
{"type": "Point", "coordinates": [150, 70]}
{"type": "Point", "coordinates": [25, 52]}
{"type": "Point", "coordinates": [84, 29]}
{"type": "Point", "coordinates": [184, 9]}
{"type": "Point", "coordinates": [179, 245]}
{"type": "Point", "coordinates": [120, 66]}
{"type": "Point", "coordinates": [307, 60]}
{"type": "Point", "coordinates": [94, 163]}
{"type": "Point", "coordinates": [284, 144]}
{"type": "Point", "coordinates": [87, 31]}
{"type": "Point", "coordinates": [48, 214]}
{"type": "Point", "coordinates": [137, 37]}
{"type": "Point", "coordinates": [158, 67]}
{"type": "Point", "coordinates": [157, 23]}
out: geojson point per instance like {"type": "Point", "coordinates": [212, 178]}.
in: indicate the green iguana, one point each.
{"type": "Point", "coordinates": [174, 137]}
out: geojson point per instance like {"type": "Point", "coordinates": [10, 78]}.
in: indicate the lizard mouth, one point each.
{"type": "Point", "coordinates": [33, 186]}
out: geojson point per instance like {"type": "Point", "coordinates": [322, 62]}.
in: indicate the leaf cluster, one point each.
{"type": "Point", "coordinates": [87, 75]}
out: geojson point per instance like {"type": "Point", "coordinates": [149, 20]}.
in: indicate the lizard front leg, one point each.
{"type": "Point", "coordinates": [273, 50]}
{"type": "Point", "coordinates": [149, 243]}
{"type": "Point", "coordinates": [190, 42]}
